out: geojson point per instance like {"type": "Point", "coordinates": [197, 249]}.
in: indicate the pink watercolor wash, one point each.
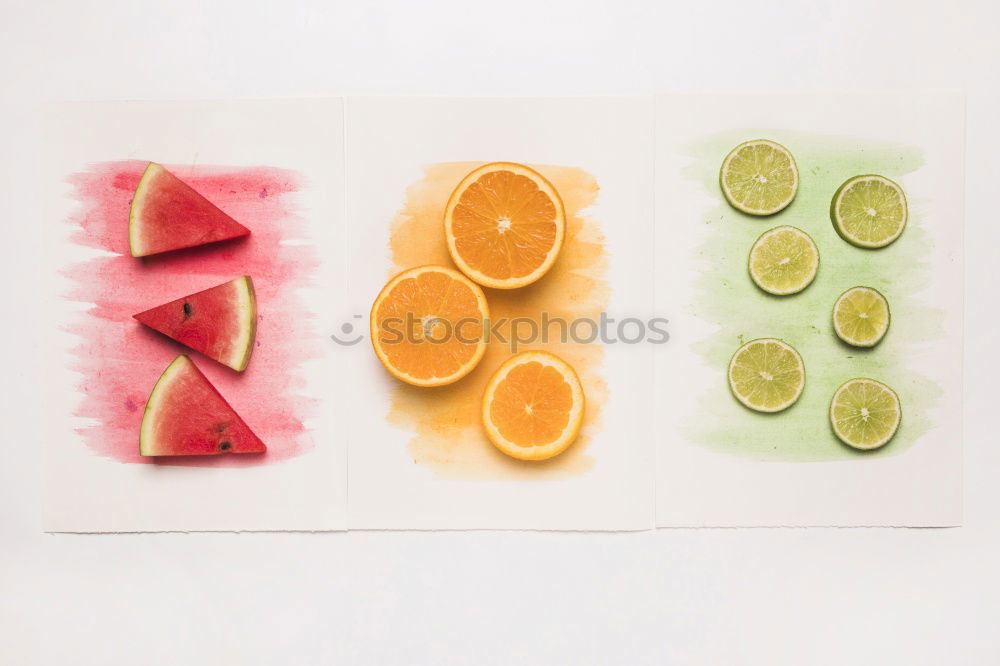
{"type": "Point", "coordinates": [119, 360]}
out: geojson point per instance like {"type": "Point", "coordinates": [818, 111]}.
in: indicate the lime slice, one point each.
{"type": "Point", "coordinates": [759, 177]}
{"type": "Point", "coordinates": [865, 413]}
{"type": "Point", "coordinates": [767, 375]}
{"type": "Point", "coordinates": [869, 211]}
{"type": "Point", "coordinates": [861, 317]}
{"type": "Point", "coordinates": [783, 261]}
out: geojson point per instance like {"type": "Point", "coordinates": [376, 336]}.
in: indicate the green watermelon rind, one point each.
{"type": "Point", "coordinates": [240, 361]}
{"type": "Point", "coordinates": [153, 404]}
{"type": "Point", "coordinates": [135, 210]}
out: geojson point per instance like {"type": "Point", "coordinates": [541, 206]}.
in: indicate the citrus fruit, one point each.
{"type": "Point", "coordinates": [869, 211]}
{"type": "Point", "coordinates": [759, 177]}
{"type": "Point", "coordinates": [428, 325]}
{"type": "Point", "coordinates": [783, 261]}
{"type": "Point", "coordinates": [865, 414]}
{"type": "Point", "coordinates": [533, 406]}
{"type": "Point", "coordinates": [767, 375]}
{"type": "Point", "coordinates": [861, 317]}
{"type": "Point", "coordinates": [504, 224]}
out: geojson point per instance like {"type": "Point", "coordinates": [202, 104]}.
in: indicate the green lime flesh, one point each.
{"type": "Point", "coordinates": [865, 414]}
{"type": "Point", "coordinates": [861, 317]}
{"type": "Point", "coordinates": [759, 177]}
{"type": "Point", "coordinates": [869, 211]}
{"type": "Point", "coordinates": [767, 375]}
{"type": "Point", "coordinates": [783, 261]}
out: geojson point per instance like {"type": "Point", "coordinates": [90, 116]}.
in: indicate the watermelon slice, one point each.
{"type": "Point", "coordinates": [186, 416]}
{"type": "Point", "coordinates": [168, 215]}
{"type": "Point", "coordinates": [219, 322]}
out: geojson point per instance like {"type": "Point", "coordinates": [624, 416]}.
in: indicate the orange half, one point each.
{"type": "Point", "coordinates": [428, 326]}
{"type": "Point", "coordinates": [533, 406]}
{"type": "Point", "coordinates": [505, 225]}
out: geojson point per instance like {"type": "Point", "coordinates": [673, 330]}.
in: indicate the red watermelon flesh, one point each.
{"type": "Point", "coordinates": [186, 416]}
{"type": "Point", "coordinates": [167, 214]}
{"type": "Point", "coordinates": [220, 322]}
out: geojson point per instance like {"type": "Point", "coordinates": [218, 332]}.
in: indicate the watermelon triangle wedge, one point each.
{"type": "Point", "coordinates": [167, 214]}
{"type": "Point", "coordinates": [186, 416]}
{"type": "Point", "coordinates": [220, 322]}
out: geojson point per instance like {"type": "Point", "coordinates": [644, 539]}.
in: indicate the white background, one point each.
{"type": "Point", "coordinates": [719, 596]}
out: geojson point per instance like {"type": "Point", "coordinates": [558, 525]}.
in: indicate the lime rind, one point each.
{"type": "Point", "coordinates": [861, 316]}
{"type": "Point", "coordinates": [767, 375]}
{"type": "Point", "coordinates": [783, 261]}
{"type": "Point", "coordinates": [759, 177]}
{"type": "Point", "coordinates": [888, 220]}
{"type": "Point", "coordinates": [865, 414]}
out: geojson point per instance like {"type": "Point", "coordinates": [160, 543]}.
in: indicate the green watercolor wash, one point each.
{"type": "Point", "coordinates": [726, 296]}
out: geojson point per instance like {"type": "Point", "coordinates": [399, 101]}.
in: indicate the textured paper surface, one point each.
{"type": "Point", "coordinates": [716, 463]}
{"type": "Point", "coordinates": [659, 416]}
{"type": "Point", "coordinates": [396, 143]}
{"type": "Point", "coordinates": [295, 146]}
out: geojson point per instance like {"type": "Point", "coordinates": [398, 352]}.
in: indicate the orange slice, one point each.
{"type": "Point", "coordinates": [428, 326]}
{"type": "Point", "coordinates": [533, 406]}
{"type": "Point", "coordinates": [505, 225]}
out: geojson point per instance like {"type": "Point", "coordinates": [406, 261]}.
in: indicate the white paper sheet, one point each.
{"type": "Point", "coordinates": [715, 464]}
{"type": "Point", "coordinates": [393, 144]}
{"type": "Point", "coordinates": [87, 491]}
{"type": "Point", "coordinates": [407, 468]}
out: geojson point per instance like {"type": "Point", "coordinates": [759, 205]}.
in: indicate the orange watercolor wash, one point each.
{"type": "Point", "coordinates": [446, 421]}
